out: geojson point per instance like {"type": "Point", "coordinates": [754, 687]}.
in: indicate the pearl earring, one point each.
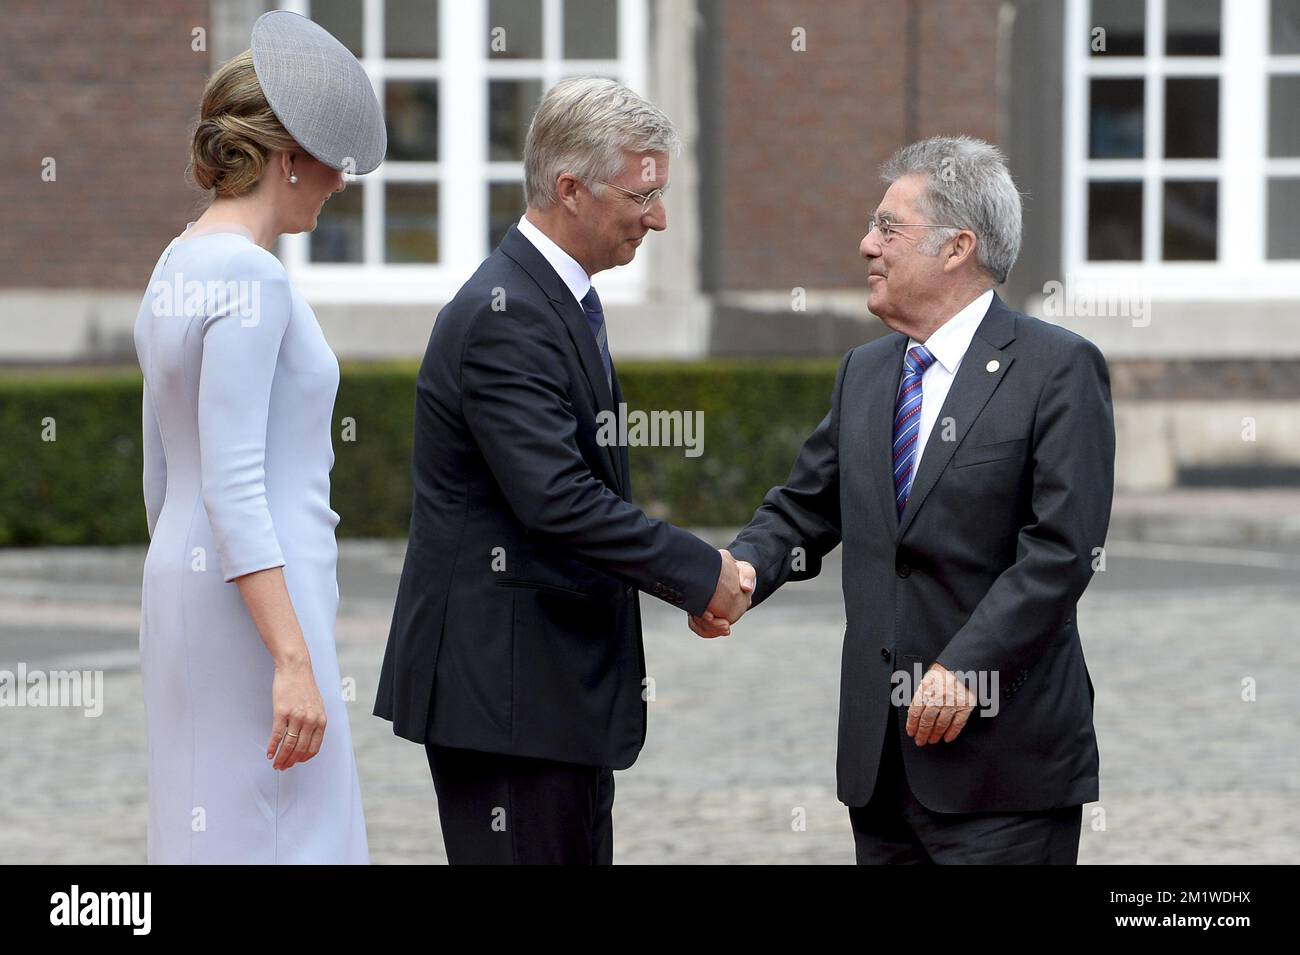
{"type": "Point", "coordinates": [292, 178]}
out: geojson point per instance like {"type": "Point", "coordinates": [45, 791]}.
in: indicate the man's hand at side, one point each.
{"type": "Point", "coordinates": [940, 707]}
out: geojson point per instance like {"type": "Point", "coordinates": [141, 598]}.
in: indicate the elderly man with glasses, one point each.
{"type": "Point", "coordinates": [967, 465]}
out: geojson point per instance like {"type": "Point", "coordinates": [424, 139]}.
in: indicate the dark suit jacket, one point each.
{"type": "Point", "coordinates": [517, 628]}
{"type": "Point", "coordinates": [982, 572]}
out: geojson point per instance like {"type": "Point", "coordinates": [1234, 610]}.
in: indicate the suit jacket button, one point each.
{"type": "Point", "coordinates": [884, 653]}
{"type": "Point", "coordinates": [904, 570]}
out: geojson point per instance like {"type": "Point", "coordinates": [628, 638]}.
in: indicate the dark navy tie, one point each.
{"type": "Point", "coordinates": [596, 319]}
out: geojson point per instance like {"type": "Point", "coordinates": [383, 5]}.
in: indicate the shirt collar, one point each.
{"type": "Point", "coordinates": [569, 271]}
{"type": "Point", "coordinates": [950, 340]}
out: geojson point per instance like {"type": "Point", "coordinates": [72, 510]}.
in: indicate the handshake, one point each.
{"type": "Point", "coordinates": [730, 600]}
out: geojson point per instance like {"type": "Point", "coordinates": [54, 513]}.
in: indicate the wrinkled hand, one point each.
{"type": "Point", "coordinates": [940, 707]}
{"type": "Point", "coordinates": [730, 601]}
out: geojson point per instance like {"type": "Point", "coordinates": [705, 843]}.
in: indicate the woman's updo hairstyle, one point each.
{"type": "Point", "coordinates": [237, 131]}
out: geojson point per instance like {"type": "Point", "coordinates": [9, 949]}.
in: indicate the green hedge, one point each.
{"type": "Point", "coordinates": [84, 487]}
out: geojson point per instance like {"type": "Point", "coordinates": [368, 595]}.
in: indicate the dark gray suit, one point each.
{"type": "Point", "coordinates": [983, 570]}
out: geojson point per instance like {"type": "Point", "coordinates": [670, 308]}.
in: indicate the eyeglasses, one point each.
{"type": "Point", "coordinates": [888, 228]}
{"type": "Point", "coordinates": [646, 199]}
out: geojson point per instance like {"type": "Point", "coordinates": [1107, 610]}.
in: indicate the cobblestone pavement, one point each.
{"type": "Point", "coordinates": [742, 731]}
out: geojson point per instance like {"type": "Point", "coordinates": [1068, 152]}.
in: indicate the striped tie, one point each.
{"type": "Point", "coordinates": [907, 421]}
{"type": "Point", "coordinates": [596, 319]}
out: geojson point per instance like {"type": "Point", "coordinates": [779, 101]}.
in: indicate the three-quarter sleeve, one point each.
{"type": "Point", "coordinates": [242, 331]}
{"type": "Point", "coordinates": [155, 462]}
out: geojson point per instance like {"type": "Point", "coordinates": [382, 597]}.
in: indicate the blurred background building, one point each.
{"type": "Point", "coordinates": [1157, 143]}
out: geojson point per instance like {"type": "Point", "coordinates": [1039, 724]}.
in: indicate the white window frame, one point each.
{"type": "Point", "coordinates": [1242, 167]}
{"type": "Point", "coordinates": [462, 72]}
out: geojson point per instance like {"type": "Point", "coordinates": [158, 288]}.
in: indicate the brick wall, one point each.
{"type": "Point", "coordinates": [109, 91]}
{"type": "Point", "coordinates": [801, 135]}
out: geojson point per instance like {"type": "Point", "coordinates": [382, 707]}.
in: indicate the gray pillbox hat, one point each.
{"type": "Point", "coordinates": [318, 91]}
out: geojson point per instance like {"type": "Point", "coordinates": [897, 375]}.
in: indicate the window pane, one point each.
{"type": "Point", "coordinates": [505, 206]}
{"type": "Point", "coordinates": [1283, 214]}
{"type": "Point", "coordinates": [338, 234]}
{"type": "Point", "coordinates": [1114, 221]}
{"type": "Point", "coordinates": [1115, 123]}
{"type": "Point", "coordinates": [1125, 24]}
{"type": "Point", "coordinates": [411, 112]}
{"type": "Point", "coordinates": [510, 108]}
{"type": "Point", "coordinates": [342, 18]}
{"type": "Point", "coordinates": [1192, 28]}
{"type": "Point", "coordinates": [1284, 27]}
{"type": "Point", "coordinates": [590, 30]}
{"type": "Point", "coordinates": [411, 222]}
{"type": "Point", "coordinates": [1191, 220]}
{"type": "Point", "coordinates": [411, 29]}
{"type": "Point", "coordinates": [1192, 118]}
{"type": "Point", "coordinates": [1283, 121]}
{"type": "Point", "coordinates": [515, 29]}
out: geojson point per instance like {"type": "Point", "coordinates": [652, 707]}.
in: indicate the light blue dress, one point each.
{"type": "Point", "coordinates": [239, 388]}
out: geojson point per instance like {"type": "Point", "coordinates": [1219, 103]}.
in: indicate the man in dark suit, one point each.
{"type": "Point", "coordinates": [515, 650]}
{"type": "Point", "coordinates": [967, 467]}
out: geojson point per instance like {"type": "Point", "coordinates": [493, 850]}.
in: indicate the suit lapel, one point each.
{"type": "Point", "coordinates": [525, 254]}
{"type": "Point", "coordinates": [575, 320]}
{"type": "Point", "coordinates": [625, 465]}
{"type": "Point", "coordinates": [970, 392]}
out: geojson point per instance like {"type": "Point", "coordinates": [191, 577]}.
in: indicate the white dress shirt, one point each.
{"type": "Point", "coordinates": [948, 346]}
{"type": "Point", "coordinates": [573, 274]}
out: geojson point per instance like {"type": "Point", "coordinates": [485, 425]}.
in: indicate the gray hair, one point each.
{"type": "Point", "coordinates": [582, 127]}
{"type": "Point", "coordinates": [966, 184]}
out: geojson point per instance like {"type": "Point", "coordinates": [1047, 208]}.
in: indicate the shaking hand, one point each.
{"type": "Point", "coordinates": [731, 599]}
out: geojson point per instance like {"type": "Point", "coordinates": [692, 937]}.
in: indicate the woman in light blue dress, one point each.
{"type": "Point", "coordinates": [250, 751]}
